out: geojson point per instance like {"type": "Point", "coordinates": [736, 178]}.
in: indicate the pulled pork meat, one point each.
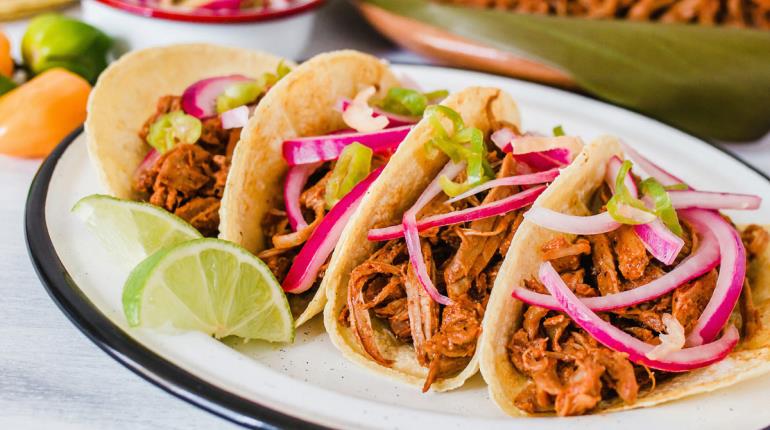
{"type": "Point", "coordinates": [570, 373]}
{"type": "Point", "coordinates": [735, 13]}
{"type": "Point", "coordinates": [189, 180]}
{"type": "Point", "coordinates": [462, 261]}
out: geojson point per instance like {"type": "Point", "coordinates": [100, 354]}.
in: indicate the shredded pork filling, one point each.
{"type": "Point", "coordinates": [462, 261]}
{"type": "Point", "coordinates": [189, 180]}
{"type": "Point", "coordinates": [569, 372]}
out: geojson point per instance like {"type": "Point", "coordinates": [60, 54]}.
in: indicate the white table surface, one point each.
{"type": "Point", "coordinates": [51, 376]}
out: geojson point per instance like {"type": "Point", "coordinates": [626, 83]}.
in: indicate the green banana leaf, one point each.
{"type": "Point", "coordinates": [712, 82]}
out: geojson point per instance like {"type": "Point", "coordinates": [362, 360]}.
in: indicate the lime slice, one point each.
{"type": "Point", "coordinates": [132, 230]}
{"type": "Point", "coordinates": [208, 285]}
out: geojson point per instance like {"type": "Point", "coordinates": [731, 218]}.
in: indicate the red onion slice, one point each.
{"type": "Point", "coordinates": [296, 178]}
{"type": "Point", "coordinates": [412, 235]}
{"type": "Point", "coordinates": [394, 120]}
{"type": "Point", "coordinates": [235, 118]}
{"type": "Point", "coordinates": [732, 272]}
{"type": "Point", "coordinates": [498, 207]}
{"type": "Point", "coordinates": [200, 98]}
{"type": "Point", "coordinates": [548, 159]}
{"type": "Point", "coordinates": [732, 267]}
{"type": "Point", "coordinates": [661, 175]}
{"type": "Point", "coordinates": [313, 149]}
{"type": "Point", "coordinates": [613, 168]}
{"type": "Point", "coordinates": [321, 243]}
{"type": "Point", "coordinates": [502, 138]}
{"type": "Point", "coordinates": [705, 258]}
{"type": "Point", "coordinates": [572, 224]}
{"type": "Point", "coordinates": [526, 179]}
{"type": "Point", "coordinates": [713, 200]}
{"type": "Point", "coordinates": [148, 161]}
{"type": "Point", "coordinates": [659, 240]}
{"type": "Point", "coordinates": [618, 340]}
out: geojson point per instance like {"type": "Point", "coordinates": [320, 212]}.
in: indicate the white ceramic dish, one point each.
{"type": "Point", "coordinates": [309, 382]}
{"type": "Point", "coordinates": [284, 36]}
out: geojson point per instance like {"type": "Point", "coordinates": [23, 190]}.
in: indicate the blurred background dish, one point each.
{"type": "Point", "coordinates": [14, 9]}
{"type": "Point", "coordinates": [256, 28]}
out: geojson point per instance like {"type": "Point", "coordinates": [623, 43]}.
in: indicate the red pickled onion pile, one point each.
{"type": "Point", "coordinates": [618, 340]}
{"type": "Point", "coordinates": [313, 149]}
{"type": "Point", "coordinates": [296, 178]}
{"type": "Point", "coordinates": [394, 120]}
{"type": "Point", "coordinates": [321, 243]}
{"type": "Point", "coordinates": [720, 245]}
{"type": "Point", "coordinates": [200, 98]}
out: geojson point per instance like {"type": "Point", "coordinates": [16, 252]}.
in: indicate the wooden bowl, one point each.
{"type": "Point", "coordinates": [453, 50]}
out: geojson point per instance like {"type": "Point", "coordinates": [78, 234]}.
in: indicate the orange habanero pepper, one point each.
{"type": "Point", "coordinates": [40, 113]}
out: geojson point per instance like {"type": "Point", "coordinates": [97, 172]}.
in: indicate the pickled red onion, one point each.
{"type": "Point", "coordinates": [618, 340]}
{"type": "Point", "coordinates": [200, 98]}
{"type": "Point", "coordinates": [572, 224]}
{"type": "Point", "coordinates": [319, 246]}
{"type": "Point", "coordinates": [732, 272]}
{"type": "Point", "coordinates": [498, 207]}
{"type": "Point", "coordinates": [526, 179]}
{"type": "Point", "coordinates": [713, 200]}
{"type": "Point", "coordinates": [394, 120]}
{"type": "Point", "coordinates": [700, 262]}
{"type": "Point", "coordinates": [296, 178]}
{"type": "Point", "coordinates": [305, 150]}
{"type": "Point", "coordinates": [235, 118]}
{"type": "Point", "coordinates": [412, 235]}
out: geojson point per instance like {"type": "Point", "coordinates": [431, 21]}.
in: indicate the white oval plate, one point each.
{"type": "Point", "coordinates": [309, 381]}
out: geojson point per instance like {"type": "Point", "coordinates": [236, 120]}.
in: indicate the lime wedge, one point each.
{"type": "Point", "coordinates": [208, 285]}
{"type": "Point", "coordinates": [132, 230]}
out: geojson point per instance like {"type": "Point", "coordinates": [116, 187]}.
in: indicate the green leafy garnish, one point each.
{"type": "Point", "coordinates": [463, 144]}
{"type": "Point", "coordinates": [662, 204]}
{"type": "Point", "coordinates": [270, 79]}
{"type": "Point", "coordinates": [618, 206]}
{"type": "Point", "coordinates": [558, 131]}
{"type": "Point", "coordinates": [243, 93]}
{"type": "Point", "coordinates": [405, 101]}
{"type": "Point", "coordinates": [174, 127]}
{"type": "Point", "coordinates": [676, 187]}
{"type": "Point", "coordinates": [239, 94]}
{"type": "Point", "coordinates": [352, 167]}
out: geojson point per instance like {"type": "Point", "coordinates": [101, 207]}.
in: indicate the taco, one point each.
{"type": "Point", "coordinates": [419, 321]}
{"type": "Point", "coordinates": [163, 123]}
{"type": "Point", "coordinates": [623, 293]}
{"type": "Point", "coordinates": [305, 160]}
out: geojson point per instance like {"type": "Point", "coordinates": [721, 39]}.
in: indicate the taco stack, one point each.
{"type": "Point", "coordinates": [622, 292]}
{"type": "Point", "coordinates": [408, 285]}
{"type": "Point", "coordinates": [163, 124]}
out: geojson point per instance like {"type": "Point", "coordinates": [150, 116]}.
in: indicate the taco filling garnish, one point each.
{"type": "Point", "coordinates": [327, 177]}
{"type": "Point", "coordinates": [430, 279]}
{"type": "Point", "coordinates": [651, 285]}
{"type": "Point", "coordinates": [192, 138]}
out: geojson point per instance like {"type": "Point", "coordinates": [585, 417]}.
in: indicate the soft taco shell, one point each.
{"type": "Point", "coordinates": [301, 104]}
{"type": "Point", "coordinates": [401, 183]}
{"type": "Point", "coordinates": [571, 193]}
{"type": "Point", "coordinates": [127, 93]}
